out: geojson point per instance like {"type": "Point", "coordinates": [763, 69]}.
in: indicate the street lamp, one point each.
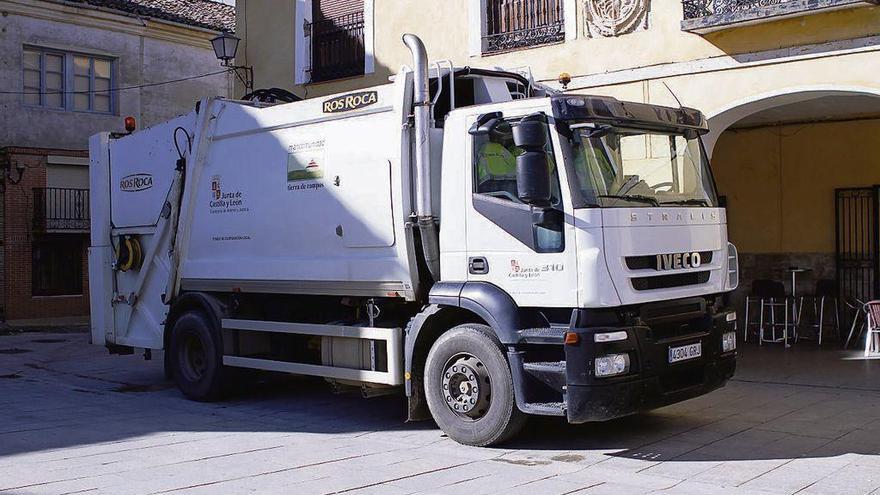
{"type": "Point", "coordinates": [225, 46]}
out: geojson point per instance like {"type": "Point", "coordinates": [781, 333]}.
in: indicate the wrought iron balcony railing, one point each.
{"type": "Point", "coordinates": [703, 8]}
{"type": "Point", "coordinates": [338, 47]}
{"type": "Point", "coordinates": [709, 15]}
{"type": "Point", "coordinates": [512, 24]}
{"type": "Point", "coordinates": [61, 209]}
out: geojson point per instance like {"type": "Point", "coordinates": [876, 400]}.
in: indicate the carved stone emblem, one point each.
{"type": "Point", "coordinates": [615, 17]}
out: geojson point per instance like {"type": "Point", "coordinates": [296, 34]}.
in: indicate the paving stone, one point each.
{"type": "Point", "coordinates": [68, 428]}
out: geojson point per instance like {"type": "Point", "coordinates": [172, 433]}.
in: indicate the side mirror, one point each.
{"type": "Point", "coordinates": [532, 166]}
{"type": "Point", "coordinates": [485, 123]}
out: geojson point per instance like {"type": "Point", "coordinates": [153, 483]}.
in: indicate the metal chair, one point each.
{"type": "Point", "coordinates": [858, 308]}
{"type": "Point", "coordinates": [872, 327]}
{"type": "Point", "coordinates": [826, 290]}
{"type": "Point", "coordinates": [770, 295]}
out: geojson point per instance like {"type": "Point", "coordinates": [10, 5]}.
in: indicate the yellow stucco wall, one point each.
{"type": "Point", "coordinates": [780, 181]}
{"type": "Point", "coordinates": [267, 28]}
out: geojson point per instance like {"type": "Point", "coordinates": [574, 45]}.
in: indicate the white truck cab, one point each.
{"type": "Point", "coordinates": [488, 247]}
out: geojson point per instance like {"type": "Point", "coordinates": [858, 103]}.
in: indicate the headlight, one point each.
{"type": "Point", "coordinates": [612, 365]}
{"type": "Point", "coordinates": [732, 267]}
{"type": "Point", "coordinates": [728, 342]}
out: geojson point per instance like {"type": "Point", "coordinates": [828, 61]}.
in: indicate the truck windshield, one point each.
{"type": "Point", "coordinates": [618, 167]}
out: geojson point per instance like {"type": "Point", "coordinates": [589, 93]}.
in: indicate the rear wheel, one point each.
{"type": "Point", "coordinates": [196, 356]}
{"type": "Point", "coordinates": [469, 387]}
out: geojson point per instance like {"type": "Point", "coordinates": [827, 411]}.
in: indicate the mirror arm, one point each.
{"type": "Point", "coordinates": [547, 217]}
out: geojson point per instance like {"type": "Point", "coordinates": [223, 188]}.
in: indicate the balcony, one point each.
{"type": "Point", "coordinates": [338, 47]}
{"type": "Point", "coordinates": [515, 24]}
{"type": "Point", "coordinates": [705, 16]}
{"type": "Point", "coordinates": [58, 209]}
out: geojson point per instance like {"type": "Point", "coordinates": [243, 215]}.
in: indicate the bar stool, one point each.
{"type": "Point", "coordinates": [755, 296]}
{"type": "Point", "coordinates": [826, 290]}
{"type": "Point", "coordinates": [769, 295]}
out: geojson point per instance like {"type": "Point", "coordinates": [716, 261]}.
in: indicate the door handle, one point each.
{"type": "Point", "coordinates": [478, 266]}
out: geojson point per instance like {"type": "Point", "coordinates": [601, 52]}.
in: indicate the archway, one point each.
{"type": "Point", "coordinates": [805, 96]}
{"type": "Point", "coordinates": [779, 159]}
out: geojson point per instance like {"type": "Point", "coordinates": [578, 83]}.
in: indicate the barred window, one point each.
{"type": "Point", "coordinates": [338, 47]}
{"type": "Point", "coordinates": [56, 266]}
{"type": "Point", "coordinates": [513, 24]}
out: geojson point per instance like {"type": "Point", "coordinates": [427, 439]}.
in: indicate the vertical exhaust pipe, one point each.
{"type": "Point", "coordinates": [421, 112]}
{"type": "Point", "coordinates": [422, 116]}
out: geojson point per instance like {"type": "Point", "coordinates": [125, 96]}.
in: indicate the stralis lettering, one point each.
{"type": "Point", "coordinates": [136, 182]}
{"type": "Point", "coordinates": [351, 102]}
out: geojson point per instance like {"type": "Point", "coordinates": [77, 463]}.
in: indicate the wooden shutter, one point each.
{"type": "Point", "coordinates": [331, 9]}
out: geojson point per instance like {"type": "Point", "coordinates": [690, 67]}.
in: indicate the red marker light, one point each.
{"type": "Point", "coordinates": [130, 124]}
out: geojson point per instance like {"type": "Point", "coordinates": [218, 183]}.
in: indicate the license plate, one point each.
{"type": "Point", "coordinates": [685, 352]}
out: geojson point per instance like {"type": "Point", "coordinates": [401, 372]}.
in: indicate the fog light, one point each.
{"type": "Point", "coordinates": [728, 342]}
{"type": "Point", "coordinates": [609, 337]}
{"type": "Point", "coordinates": [612, 365]}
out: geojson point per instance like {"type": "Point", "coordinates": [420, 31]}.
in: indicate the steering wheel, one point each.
{"type": "Point", "coordinates": [502, 195]}
{"type": "Point", "coordinates": [669, 185]}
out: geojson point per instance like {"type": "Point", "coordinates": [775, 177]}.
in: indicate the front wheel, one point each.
{"type": "Point", "coordinates": [469, 387]}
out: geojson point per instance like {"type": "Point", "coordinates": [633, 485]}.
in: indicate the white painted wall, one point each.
{"type": "Point", "coordinates": [141, 58]}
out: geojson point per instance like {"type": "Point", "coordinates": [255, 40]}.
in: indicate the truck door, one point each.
{"type": "Point", "coordinates": [534, 264]}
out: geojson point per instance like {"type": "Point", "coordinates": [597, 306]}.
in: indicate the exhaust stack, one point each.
{"type": "Point", "coordinates": [422, 113]}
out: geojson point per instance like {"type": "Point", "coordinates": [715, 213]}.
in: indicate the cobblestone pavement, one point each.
{"type": "Point", "coordinates": [76, 420]}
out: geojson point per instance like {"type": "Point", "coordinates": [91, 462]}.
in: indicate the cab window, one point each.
{"type": "Point", "coordinates": [494, 173]}
{"type": "Point", "coordinates": [495, 165]}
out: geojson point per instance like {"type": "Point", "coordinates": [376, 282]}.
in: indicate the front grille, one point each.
{"type": "Point", "coordinates": [676, 311]}
{"type": "Point", "coordinates": [671, 330]}
{"type": "Point", "coordinates": [650, 262]}
{"type": "Point", "coordinates": [667, 281]}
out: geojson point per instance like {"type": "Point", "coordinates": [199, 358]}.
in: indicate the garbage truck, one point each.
{"type": "Point", "coordinates": [488, 246]}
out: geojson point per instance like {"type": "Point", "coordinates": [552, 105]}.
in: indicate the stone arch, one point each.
{"type": "Point", "coordinates": [724, 117]}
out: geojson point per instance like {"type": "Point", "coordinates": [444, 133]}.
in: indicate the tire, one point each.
{"type": "Point", "coordinates": [196, 357]}
{"type": "Point", "coordinates": [478, 358]}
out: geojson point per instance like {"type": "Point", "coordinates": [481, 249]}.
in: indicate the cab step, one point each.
{"type": "Point", "coordinates": [544, 408]}
{"type": "Point", "coordinates": [552, 371]}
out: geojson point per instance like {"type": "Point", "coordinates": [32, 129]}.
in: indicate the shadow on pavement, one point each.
{"type": "Point", "coordinates": [66, 394]}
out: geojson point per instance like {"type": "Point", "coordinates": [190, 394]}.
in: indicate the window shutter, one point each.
{"type": "Point", "coordinates": [331, 9]}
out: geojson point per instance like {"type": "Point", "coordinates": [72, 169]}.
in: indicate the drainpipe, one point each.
{"type": "Point", "coordinates": [422, 114]}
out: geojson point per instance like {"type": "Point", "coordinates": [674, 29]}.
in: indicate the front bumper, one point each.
{"type": "Point", "coordinates": [603, 402]}
{"type": "Point", "coordinates": [652, 380]}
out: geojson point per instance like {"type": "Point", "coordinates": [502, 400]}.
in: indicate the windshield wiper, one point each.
{"type": "Point", "coordinates": [700, 202]}
{"type": "Point", "coordinates": [633, 197]}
